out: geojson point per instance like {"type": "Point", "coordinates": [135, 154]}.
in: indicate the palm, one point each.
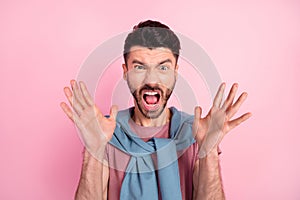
{"type": "Point", "coordinates": [94, 126]}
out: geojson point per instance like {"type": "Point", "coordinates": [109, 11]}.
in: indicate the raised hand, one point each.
{"type": "Point", "coordinates": [210, 130]}
{"type": "Point", "coordinates": [95, 129]}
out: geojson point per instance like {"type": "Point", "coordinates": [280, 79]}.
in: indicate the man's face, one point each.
{"type": "Point", "coordinates": [151, 75]}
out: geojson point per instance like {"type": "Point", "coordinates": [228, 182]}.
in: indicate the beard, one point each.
{"type": "Point", "coordinates": [162, 96]}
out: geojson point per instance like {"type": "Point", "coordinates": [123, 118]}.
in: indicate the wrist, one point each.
{"type": "Point", "coordinates": [210, 144]}
{"type": "Point", "coordinates": [214, 152]}
{"type": "Point", "coordinates": [95, 153]}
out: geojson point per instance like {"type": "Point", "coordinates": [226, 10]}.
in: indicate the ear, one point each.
{"type": "Point", "coordinates": [176, 71]}
{"type": "Point", "coordinates": [125, 70]}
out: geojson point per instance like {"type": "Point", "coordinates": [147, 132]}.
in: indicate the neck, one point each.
{"type": "Point", "coordinates": [141, 120]}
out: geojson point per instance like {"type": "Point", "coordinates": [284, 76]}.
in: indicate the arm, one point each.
{"type": "Point", "coordinates": [209, 132]}
{"type": "Point", "coordinates": [93, 180]}
{"type": "Point", "coordinates": [94, 176]}
{"type": "Point", "coordinates": [207, 178]}
{"type": "Point", "coordinates": [95, 131]}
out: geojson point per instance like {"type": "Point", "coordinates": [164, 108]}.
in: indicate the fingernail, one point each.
{"type": "Point", "coordinates": [67, 91]}
{"type": "Point", "coordinates": [81, 83]}
{"type": "Point", "coordinates": [73, 83]}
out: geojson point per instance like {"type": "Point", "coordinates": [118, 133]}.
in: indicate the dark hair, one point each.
{"type": "Point", "coordinates": [152, 34]}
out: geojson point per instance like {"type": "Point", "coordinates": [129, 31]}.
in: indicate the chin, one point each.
{"type": "Point", "coordinates": [153, 114]}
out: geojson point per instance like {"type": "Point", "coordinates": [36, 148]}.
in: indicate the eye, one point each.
{"type": "Point", "coordinates": [139, 67]}
{"type": "Point", "coordinates": [163, 67]}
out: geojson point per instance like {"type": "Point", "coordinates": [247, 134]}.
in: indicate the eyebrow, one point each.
{"type": "Point", "coordinates": [141, 63]}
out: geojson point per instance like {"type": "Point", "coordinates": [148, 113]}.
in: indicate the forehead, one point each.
{"type": "Point", "coordinates": [146, 55]}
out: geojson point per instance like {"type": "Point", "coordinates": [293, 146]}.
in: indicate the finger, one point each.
{"type": "Point", "coordinates": [237, 121]}
{"type": "Point", "coordinates": [86, 94]}
{"type": "Point", "coordinates": [219, 96]}
{"type": "Point", "coordinates": [78, 94]}
{"type": "Point", "coordinates": [98, 112]}
{"type": "Point", "coordinates": [73, 116]}
{"type": "Point", "coordinates": [236, 106]}
{"type": "Point", "coordinates": [113, 112]}
{"type": "Point", "coordinates": [197, 113]}
{"type": "Point", "coordinates": [67, 110]}
{"type": "Point", "coordinates": [72, 100]}
{"type": "Point", "coordinates": [197, 118]}
{"type": "Point", "coordinates": [228, 102]}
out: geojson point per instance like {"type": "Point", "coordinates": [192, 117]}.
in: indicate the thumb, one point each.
{"type": "Point", "coordinates": [197, 117]}
{"type": "Point", "coordinates": [198, 112]}
{"type": "Point", "coordinates": [113, 112]}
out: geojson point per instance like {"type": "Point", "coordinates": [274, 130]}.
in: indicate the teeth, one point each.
{"type": "Point", "coordinates": [151, 105]}
{"type": "Point", "coordinates": [151, 93]}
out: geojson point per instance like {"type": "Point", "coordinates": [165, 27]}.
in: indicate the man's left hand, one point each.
{"type": "Point", "coordinates": [210, 130]}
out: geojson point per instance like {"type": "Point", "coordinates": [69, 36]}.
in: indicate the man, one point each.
{"type": "Point", "coordinates": [150, 151]}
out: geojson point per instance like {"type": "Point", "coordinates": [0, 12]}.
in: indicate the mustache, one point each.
{"type": "Point", "coordinates": [149, 87]}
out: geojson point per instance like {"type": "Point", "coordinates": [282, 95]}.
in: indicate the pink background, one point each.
{"type": "Point", "coordinates": [43, 43]}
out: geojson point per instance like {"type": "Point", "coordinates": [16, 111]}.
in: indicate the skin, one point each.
{"type": "Point", "coordinates": [158, 70]}
{"type": "Point", "coordinates": [96, 130]}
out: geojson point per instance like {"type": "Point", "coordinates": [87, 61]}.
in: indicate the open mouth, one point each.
{"type": "Point", "coordinates": [151, 99]}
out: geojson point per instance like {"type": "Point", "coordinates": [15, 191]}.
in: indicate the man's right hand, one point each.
{"type": "Point", "coordinates": [95, 129]}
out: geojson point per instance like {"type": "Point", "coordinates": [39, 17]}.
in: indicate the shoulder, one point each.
{"type": "Point", "coordinates": [181, 116]}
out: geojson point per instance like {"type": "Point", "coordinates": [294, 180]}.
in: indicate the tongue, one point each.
{"type": "Point", "coordinates": [151, 99]}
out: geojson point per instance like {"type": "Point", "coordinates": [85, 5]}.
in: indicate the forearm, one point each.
{"type": "Point", "coordinates": [91, 181]}
{"type": "Point", "coordinates": [209, 180]}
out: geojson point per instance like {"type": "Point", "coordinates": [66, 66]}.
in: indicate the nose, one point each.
{"type": "Point", "coordinates": [151, 77]}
